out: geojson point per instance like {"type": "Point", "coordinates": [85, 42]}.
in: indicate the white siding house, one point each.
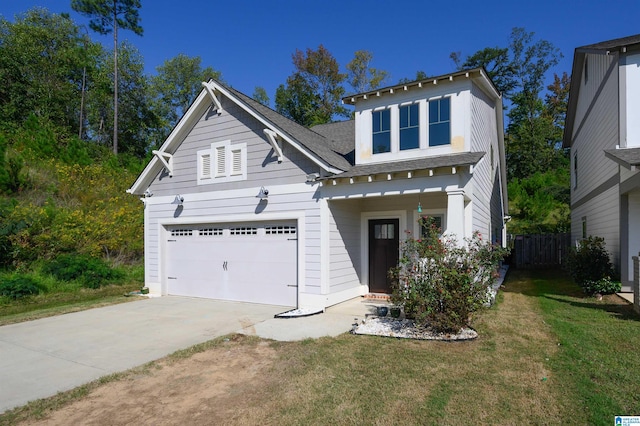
{"type": "Point", "coordinates": [603, 131]}
{"type": "Point", "coordinates": [244, 204]}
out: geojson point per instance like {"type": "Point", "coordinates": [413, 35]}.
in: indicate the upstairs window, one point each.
{"type": "Point", "coordinates": [222, 162]}
{"type": "Point", "coordinates": [440, 122]}
{"type": "Point", "coordinates": [381, 131]}
{"type": "Point", "coordinates": [409, 127]}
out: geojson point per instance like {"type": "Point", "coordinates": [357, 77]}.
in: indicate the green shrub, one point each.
{"type": "Point", "coordinates": [602, 286]}
{"type": "Point", "coordinates": [18, 287]}
{"type": "Point", "coordinates": [590, 267]}
{"type": "Point", "coordinates": [440, 283]}
{"type": "Point", "coordinates": [90, 271]}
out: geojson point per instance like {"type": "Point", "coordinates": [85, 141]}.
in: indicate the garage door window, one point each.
{"type": "Point", "coordinates": [181, 232]}
{"type": "Point", "coordinates": [279, 230]}
{"type": "Point", "coordinates": [243, 231]}
{"type": "Point", "coordinates": [210, 232]}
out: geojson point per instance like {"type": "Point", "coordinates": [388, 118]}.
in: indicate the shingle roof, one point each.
{"type": "Point", "coordinates": [627, 156]}
{"type": "Point", "coordinates": [314, 142]}
{"type": "Point", "coordinates": [613, 44]}
{"type": "Point", "coordinates": [341, 135]}
{"type": "Point", "coordinates": [449, 160]}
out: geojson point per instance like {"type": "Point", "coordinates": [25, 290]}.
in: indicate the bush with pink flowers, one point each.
{"type": "Point", "coordinates": [441, 283]}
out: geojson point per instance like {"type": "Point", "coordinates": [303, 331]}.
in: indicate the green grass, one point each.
{"type": "Point", "coordinates": [599, 344]}
{"type": "Point", "coordinates": [61, 297]}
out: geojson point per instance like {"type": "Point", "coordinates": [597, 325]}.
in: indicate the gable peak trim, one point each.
{"type": "Point", "coordinates": [210, 87]}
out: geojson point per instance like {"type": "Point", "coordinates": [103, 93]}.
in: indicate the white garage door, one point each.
{"type": "Point", "coordinates": [248, 262]}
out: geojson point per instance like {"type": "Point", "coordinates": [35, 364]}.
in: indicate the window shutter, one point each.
{"type": "Point", "coordinates": [221, 161]}
{"type": "Point", "coordinates": [206, 166]}
{"type": "Point", "coordinates": [236, 162]}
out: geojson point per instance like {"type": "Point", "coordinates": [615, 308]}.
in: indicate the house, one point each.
{"type": "Point", "coordinates": [240, 203]}
{"type": "Point", "coordinates": [603, 131]}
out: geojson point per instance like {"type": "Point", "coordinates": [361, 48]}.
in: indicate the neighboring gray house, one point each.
{"type": "Point", "coordinates": [243, 204]}
{"type": "Point", "coordinates": [603, 131]}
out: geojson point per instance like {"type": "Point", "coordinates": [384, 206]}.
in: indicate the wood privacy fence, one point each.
{"type": "Point", "coordinates": [540, 251]}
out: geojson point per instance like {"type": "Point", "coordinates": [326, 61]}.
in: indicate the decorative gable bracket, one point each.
{"type": "Point", "coordinates": [273, 140]}
{"type": "Point", "coordinates": [209, 87]}
{"type": "Point", "coordinates": [166, 159]}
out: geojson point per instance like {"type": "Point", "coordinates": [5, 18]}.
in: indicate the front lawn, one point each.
{"type": "Point", "coordinates": [60, 297]}
{"type": "Point", "coordinates": [545, 355]}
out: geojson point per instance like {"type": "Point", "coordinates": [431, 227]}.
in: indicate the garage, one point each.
{"type": "Point", "coordinates": [248, 262]}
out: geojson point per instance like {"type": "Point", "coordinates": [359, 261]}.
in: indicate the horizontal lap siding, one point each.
{"type": "Point", "coordinates": [483, 138]}
{"type": "Point", "coordinates": [596, 129]}
{"type": "Point", "coordinates": [344, 264]}
{"type": "Point", "coordinates": [602, 213]}
{"type": "Point", "coordinates": [237, 126]}
{"type": "Point", "coordinates": [159, 213]}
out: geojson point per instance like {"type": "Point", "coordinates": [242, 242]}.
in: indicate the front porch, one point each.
{"type": "Point", "coordinates": [365, 234]}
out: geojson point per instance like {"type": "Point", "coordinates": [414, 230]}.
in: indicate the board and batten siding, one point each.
{"type": "Point", "coordinates": [595, 196]}
{"type": "Point", "coordinates": [235, 125]}
{"type": "Point", "coordinates": [222, 210]}
{"type": "Point", "coordinates": [344, 248]}
{"type": "Point", "coordinates": [484, 138]}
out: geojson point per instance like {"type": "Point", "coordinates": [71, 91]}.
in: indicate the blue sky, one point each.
{"type": "Point", "coordinates": [251, 42]}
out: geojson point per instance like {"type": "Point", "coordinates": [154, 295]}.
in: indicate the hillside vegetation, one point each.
{"type": "Point", "coordinates": [65, 219]}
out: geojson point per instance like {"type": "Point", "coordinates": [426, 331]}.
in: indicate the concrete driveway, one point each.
{"type": "Point", "coordinates": [42, 357]}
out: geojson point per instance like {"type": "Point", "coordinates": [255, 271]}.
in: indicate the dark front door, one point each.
{"type": "Point", "coordinates": [383, 253]}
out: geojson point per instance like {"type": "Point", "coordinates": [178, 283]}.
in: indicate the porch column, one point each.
{"type": "Point", "coordinates": [455, 214]}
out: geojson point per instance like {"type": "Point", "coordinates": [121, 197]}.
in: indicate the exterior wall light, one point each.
{"type": "Point", "coordinates": [263, 194]}
{"type": "Point", "coordinates": [178, 200]}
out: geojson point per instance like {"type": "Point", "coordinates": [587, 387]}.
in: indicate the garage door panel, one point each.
{"type": "Point", "coordinates": [242, 262]}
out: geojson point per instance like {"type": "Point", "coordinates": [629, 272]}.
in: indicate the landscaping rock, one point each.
{"type": "Point", "coordinates": [407, 329]}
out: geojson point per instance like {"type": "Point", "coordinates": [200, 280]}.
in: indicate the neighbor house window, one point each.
{"type": "Point", "coordinates": [222, 162]}
{"type": "Point", "coordinates": [439, 122]}
{"type": "Point", "coordinates": [584, 227]}
{"type": "Point", "coordinates": [381, 131]}
{"type": "Point", "coordinates": [409, 127]}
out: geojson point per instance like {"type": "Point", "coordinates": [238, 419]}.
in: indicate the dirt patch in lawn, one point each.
{"type": "Point", "coordinates": [206, 388]}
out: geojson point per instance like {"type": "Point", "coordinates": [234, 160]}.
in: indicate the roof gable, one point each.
{"type": "Point", "coordinates": [309, 143]}
{"type": "Point", "coordinates": [577, 68]}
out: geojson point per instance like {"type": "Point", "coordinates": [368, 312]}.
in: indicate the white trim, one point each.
{"type": "Point", "coordinates": [325, 247]}
{"type": "Point", "coordinates": [179, 132]}
{"type": "Point", "coordinates": [429, 212]}
{"type": "Point", "coordinates": [166, 159]}
{"type": "Point", "coordinates": [226, 172]}
{"type": "Point", "coordinates": [272, 137]}
{"type": "Point", "coordinates": [401, 215]}
{"type": "Point", "coordinates": [416, 185]}
{"type": "Point", "coordinates": [275, 190]}
{"type": "Point", "coordinates": [323, 301]}
{"type": "Point", "coordinates": [209, 87]}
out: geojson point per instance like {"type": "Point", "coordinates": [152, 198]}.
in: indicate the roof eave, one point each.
{"type": "Point", "coordinates": [353, 99]}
